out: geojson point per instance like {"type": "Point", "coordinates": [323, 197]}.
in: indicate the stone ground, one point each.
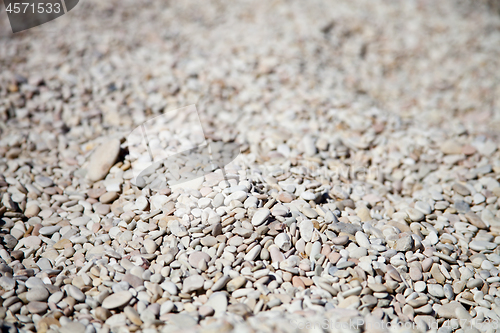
{"type": "Point", "coordinates": [366, 194]}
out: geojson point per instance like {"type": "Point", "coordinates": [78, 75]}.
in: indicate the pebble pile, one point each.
{"type": "Point", "coordinates": [366, 197]}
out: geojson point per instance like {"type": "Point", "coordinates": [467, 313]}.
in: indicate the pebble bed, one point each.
{"type": "Point", "coordinates": [365, 198]}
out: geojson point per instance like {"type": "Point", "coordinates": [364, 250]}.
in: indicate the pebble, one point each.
{"type": "Point", "coordinates": [117, 300]}
{"type": "Point", "coordinates": [193, 283]}
{"type": "Point", "coordinates": [102, 159]}
{"type": "Point", "coordinates": [260, 216]}
{"type": "Point", "coordinates": [342, 210]}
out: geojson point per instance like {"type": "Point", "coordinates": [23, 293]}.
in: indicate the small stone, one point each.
{"type": "Point", "coordinates": [102, 159]}
{"type": "Point", "coordinates": [132, 315]}
{"type": "Point", "coordinates": [37, 293]}
{"type": "Point", "coordinates": [206, 311]}
{"type": "Point", "coordinates": [253, 253]}
{"type": "Point", "coordinates": [260, 216]}
{"type": "Point", "coordinates": [477, 245]}
{"type": "Point", "coordinates": [117, 300]}
{"type": "Point", "coordinates": [235, 283]}
{"type": "Point", "coordinates": [451, 147]}
{"type": "Point", "coordinates": [193, 283]}
{"type": "Point", "coordinates": [218, 301]}
{"type": "Point", "coordinates": [37, 307]}
{"type": "Point", "coordinates": [462, 206]}
{"type": "Point", "coordinates": [362, 240]}
{"type": "Point", "coordinates": [75, 293]}
{"type": "Point", "coordinates": [415, 215]}
{"type": "Point", "coordinates": [404, 244]}
{"type": "Point", "coordinates": [435, 290]}
{"type": "Point", "coordinates": [197, 256]}
{"type": "Point", "coordinates": [415, 273]}
{"type": "Point", "coordinates": [460, 189]}
{"type": "Point", "coordinates": [475, 220]}
{"type": "Point", "coordinates": [73, 327]}
{"type": "Point", "coordinates": [283, 241]}
{"type": "Point", "coordinates": [209, 240]}
{"type": "Point", "coordinates": [306, 228]}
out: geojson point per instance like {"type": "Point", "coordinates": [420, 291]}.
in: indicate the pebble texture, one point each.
{"type": "Point", "coordinates": [367, 187]}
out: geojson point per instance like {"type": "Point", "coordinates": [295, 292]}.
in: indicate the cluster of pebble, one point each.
{"type": "Point", "coordinates": [336, 216]}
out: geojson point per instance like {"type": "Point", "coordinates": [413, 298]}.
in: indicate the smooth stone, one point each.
{"type": "Point", "coordinates": [209, 240]}
{"type": "Point", "coordinates": [75, 293]}
{"type": "Point", "coordinates": [193, 283]}
{"type": "Point", "coordinates": [462, 206]}
{"type": "Point", "coordinates": [253, 253]}
{"type": "Point", "coordinates": [362, 240]}
{"type": "Point", "coordinates": [196, 257]}
{"type": "Point", "coordinates": [482, 245]}
{"type": "Point", "coordinates": [72, 327]}
{"type": "Point", "coordinates": [306, 229]}
{"type": "Point", "coordinates": [415, 215]}
{"type": "Point", "coordinates": [38, 293]}
{"type": "Point", "coordinates": [7, 283]}
{"type": "Point", "coordinates": [415, 273]}
{"type": "Point", "coordinates": [475, 220]}
{"type": "Point", "coordinates": [435, 290]}
{"type": "Point", "coordinates": [236, 283]}
{"type": "Point", "coordinates": [449, 310]}
{"type": "Point", "coordinates": [80, 221]}
{"type": "Point", "coordinates": [424, 207]}
{"type": "Point", "coordinates": [283, 241]}
{"type": "Point", "coordinates": [37, 307]}
{"type": "Point", "coordinates": [117, 300]}
{"type": "Point", "coordinates": [218, 301]}
{"type": "Point", "coordinates": [260, 216]}
{"type": "Point", "coordinates": [49, 231]}
{"type": "Point", "coordinates": [102, 159]}
{"type": "Point", "coordinates": [460, 189]}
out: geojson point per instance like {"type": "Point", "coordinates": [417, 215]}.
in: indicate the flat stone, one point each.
{"type": "Point", "coordinates": [206, 311]}
{"type": "Point", "coordinates": [362, 240]}
{"type": "Point", "coordinates": [197, 256]}
{"type": "Point", "coordinates": [76, 293]}
{"type": "Point", "coordinates": [451, 147]}
{"type": "Point", "coordinates": [306, 229]}
{"type": "Point", "coordinates": [102, 159]}
{"type": "Point", "coordinates": [460, 189]}
{"type": "Point", "coordinates": [117, 300]}
{"type": "Point", "coordinates": [218, 301]}
{"type": "Point", "coordinates": [435, 290]}
{"type": "Point", "coordinates": [253, 253]}
{"type": "Point", "coordinates": [37, 307]}
{"type": "Point", "coordinates": [80, 221]}
{"type": "Point", "coordinates": [132, 315]}
{"type": "Point", "coordinates": [449, 310]}
{"type": "Point", "coordinates": [260, 216]}
{"type": "Point", "coordinates": [7, 283]}
{"type": "Point", "coordinates": [462, 206]}
{"type": "Point", "coordinates": [49, 231]}
{"type": "Point", "coordinates": [475, 220]}
{"type": "Point", "coordinates": [38, 293]}
{"type": "Point", "coordinates": [236, 283]}
{"type": "Point", "coordinates": [415, 215]}
{"type": "Point", "coordinates": [193, 283]}
{"type": "Point", "coordinates": [72, 327]}
{"type": "Point", "coordinates": [478, 245]}
{"type": "Point", "coordinates": [209, 240]}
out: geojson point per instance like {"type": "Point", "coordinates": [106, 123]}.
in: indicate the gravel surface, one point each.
{"type": "Point", "coordinates": [365, 197]}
